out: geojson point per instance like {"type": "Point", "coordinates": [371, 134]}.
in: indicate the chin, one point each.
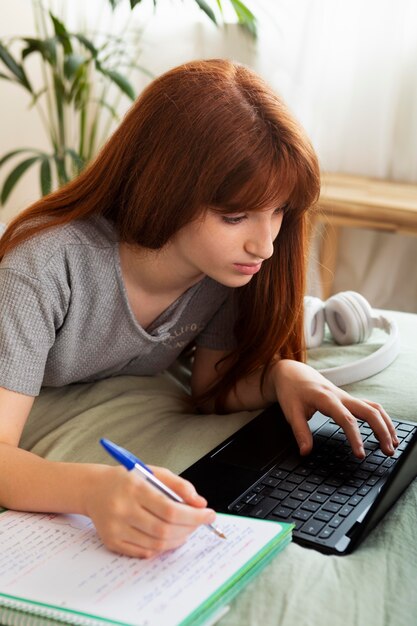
{"type": "Point", "coordinates": [232, 281]}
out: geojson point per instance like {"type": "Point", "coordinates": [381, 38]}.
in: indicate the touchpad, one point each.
{"type": "Point", "coordinates": [259, 443]}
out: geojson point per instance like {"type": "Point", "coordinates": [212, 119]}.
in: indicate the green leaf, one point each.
{"type": "Point", "coordinates": [14, 176]}
{"type": "Point", "coordinates": [60, 168]}
{"type": "Point", "coordinates": [16, 69]}
{"type": "Point", "coordinates": [45, 47]}
{"type": "Point", "coordinates": [245, 17]}
{"type": "Point", "coordinates": [61, 33]}
{"type": "Point", "coordinates": [45, 176]}
{"type": "Point", "coordinates": [207, 10]}
{"type": "Point", "coordinates": [73, 63]}
{"type": "Point", "coordinates": [78, 160]}
{"type": "Point", "coordinates": [87, 44]}
{"type": "Point", "coordinates": [121, 81]}
{"type": "Point", "coordinates": [133, 3]}
{"type": "Point", "coordinates": [9, 155]}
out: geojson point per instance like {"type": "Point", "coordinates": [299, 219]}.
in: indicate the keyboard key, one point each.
{"type": "Point", "coordinates": [364, 490]}
{"type": "Point", "coordinates": [406, 427]}
{"type": "Point", "coordinates": [370, 467]}
{"type": "Point", "coordinates": [332, 507]}
{"type": "Point", "coordinates": [327, 489]}
{"type": "Point", "coordinates": [270, 482]}
{"type": "Point", "coordinates": [388, 462]}
{"type": "Point", "coordinates": [361, 474]}
{"type": "Point", "coordinates": [279, 494]}
{"type": "Point", "coordinates": [249, 497]}
{"type": "Point", "coordinates": [310, 506]}
{"type": "Point", "coordinates": [344, 511]}
{"type": "Point", "coordinates": [354, 482]}
{"type": "Point", "coordinates": [319, 497]}
{"type": "Point", "coordinates": [302, 515]}
{"type": "Point", "coordinates": [375, 458]}
{"type": "Point", "coordinates": [313, 527]}
{"type": "Point", "coordinates": [316, 480]}
{"type": "Point", "coordinates": [295, 478]}
{"type": "Point", "coordinates": [238, 507]}
{"type": "Point", "coordinates": [354, 500]}
{"type": "Point", "coordinates": [257, 499]}
{"type": "Point", "coordinates": [290, 503]}
{"type": "Point", "coordinates": [334, 482]}
{"type": "Point", "coordinates": [282, 512]}
{"type": "Point", "coordinates": [279, 473]}
{"type": "Point", "coordinates": [380, 471]}
{"type": "Point", "coordinates": [328, 429]}
{"type": "Point", "coordinates": [264, 508]}
{"type": "Point", "coordinates": [326, 533]}
{"type": "Point", "coordinates": [336, 521]}
{"type": "Point", "coordinates": [302, 471]}
{"type": "Point", "coordinates": [372, 480]}
{"type": "Point", "coordinates": [348, 491]}
{"type": "Point", "coordinates": [323, 516]}
{"type": "Point", "coordinates": [306, 486]}
{"type": "Point", "coordinates": [300, 495]}
{"type": "Point", "coordinates": [340, 499]}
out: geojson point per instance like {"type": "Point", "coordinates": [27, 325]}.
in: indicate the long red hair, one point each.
{"type": "Point", "coordinates": [207, 133]}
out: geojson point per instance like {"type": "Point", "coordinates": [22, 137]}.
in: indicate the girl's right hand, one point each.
{"type": "Point", "coordinates": [134, 518]}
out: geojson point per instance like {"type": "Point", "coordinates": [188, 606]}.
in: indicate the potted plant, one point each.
{"type": "Point", "coordinates": [83, 78]}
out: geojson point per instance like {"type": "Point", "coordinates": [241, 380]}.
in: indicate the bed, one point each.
{"type": "Point", "coordinates": [375, 586]}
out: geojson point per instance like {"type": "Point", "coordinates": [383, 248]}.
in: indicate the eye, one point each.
{"type": "Point", "coordinates": [233, 219]}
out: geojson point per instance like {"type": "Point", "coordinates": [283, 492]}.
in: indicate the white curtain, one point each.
{"type": "Point", "coordinates": [349, 72]}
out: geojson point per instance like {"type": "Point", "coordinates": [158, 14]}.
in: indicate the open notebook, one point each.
{"type": "Point", "coordinates": [55, 566]}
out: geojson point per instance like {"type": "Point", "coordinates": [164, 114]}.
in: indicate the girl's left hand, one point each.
{"type": "Point", "coordinates": [301, 390]}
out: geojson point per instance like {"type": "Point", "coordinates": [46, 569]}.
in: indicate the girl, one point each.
{"type": "Point", "coordinates": [188, 228]}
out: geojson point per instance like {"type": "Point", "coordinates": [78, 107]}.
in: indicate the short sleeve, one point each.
{"type": "Point", "coordinates": [28, 319]}
{"type": "Point", "coordinates": [218, 334]}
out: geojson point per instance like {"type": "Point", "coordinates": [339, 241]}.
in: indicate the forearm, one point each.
{"type": "Point", "coordinates": [30, 483]}
{"type": "Point", "coordinates": [248, 394]}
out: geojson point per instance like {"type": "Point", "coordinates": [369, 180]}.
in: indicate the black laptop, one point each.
{"type": "Point", "coordinates": [333, 498]}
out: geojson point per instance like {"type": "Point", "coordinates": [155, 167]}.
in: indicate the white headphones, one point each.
{"type": "Point", "coordinates": [350, 320]}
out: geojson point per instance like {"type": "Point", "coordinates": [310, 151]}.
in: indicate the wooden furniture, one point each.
{"type": "Point", "coordinates": [356, 201]}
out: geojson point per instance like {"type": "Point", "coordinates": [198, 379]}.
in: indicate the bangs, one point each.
{"type": "Point", "coordinates": [279, 179]}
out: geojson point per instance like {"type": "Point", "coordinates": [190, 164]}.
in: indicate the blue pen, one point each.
{"type": "Point", "coordinates": [131, 462]}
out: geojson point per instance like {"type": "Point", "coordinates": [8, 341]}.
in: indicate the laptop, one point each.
{"type": "Point", "coordinates": [333, 498]}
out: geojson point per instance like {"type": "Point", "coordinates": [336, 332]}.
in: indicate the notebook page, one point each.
{"type": "Point", "coordinates": [60, 561]}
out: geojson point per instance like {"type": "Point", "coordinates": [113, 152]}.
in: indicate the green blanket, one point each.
{"type": "Point", "coordinates": [375, 586]}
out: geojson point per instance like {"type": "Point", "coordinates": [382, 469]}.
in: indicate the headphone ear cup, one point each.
{"type": "Point", "coordinates": [313, 321]}
{"type": "Point", "coordinates": [349, 317]}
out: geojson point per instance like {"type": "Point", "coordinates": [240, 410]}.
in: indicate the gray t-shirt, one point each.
{"type": "Point", "coordinates": [65, 316]}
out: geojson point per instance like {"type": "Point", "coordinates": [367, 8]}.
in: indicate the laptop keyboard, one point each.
{"type": "Point", "coordinates": [319, 492]}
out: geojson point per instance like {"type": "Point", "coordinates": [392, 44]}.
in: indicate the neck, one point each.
{"type": "Point", "coordinates": [156, 272]}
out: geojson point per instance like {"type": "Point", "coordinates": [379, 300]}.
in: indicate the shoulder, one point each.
{"type": "Point", "coordinates": [53, 247]}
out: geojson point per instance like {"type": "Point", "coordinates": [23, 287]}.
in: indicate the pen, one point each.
{"type": "Point", "coordinates": [131, 462]}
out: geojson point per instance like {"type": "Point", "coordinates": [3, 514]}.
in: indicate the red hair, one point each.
{"type": "Point", "coordinates": [207, 133]}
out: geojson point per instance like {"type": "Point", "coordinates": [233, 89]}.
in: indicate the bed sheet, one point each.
{"type": "Point", "coordinates": [375, 586]}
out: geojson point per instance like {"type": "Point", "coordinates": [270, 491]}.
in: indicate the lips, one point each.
{"type": "Point", "coordinates": [247, 269]}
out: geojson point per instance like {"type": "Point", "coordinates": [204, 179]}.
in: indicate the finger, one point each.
{"type": "Point", "coordinates": [301, 431]}
{"type": "Point", "coordinates": [183, 488]}
{"type": "Point", "coordinates": [182, 514]}
{"type": "Point", "coordinates": [378, 424]}
{"type": "Point", "coordinates": [387, 421]}
{"type": "Point", "coordinates": [342, 415]}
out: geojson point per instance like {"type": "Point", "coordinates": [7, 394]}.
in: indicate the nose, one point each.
{"type": "Point", "coordinates": [260, 241]}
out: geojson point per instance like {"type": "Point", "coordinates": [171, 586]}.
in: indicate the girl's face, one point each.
{"type": "Point", "coordinates": [228, 248]}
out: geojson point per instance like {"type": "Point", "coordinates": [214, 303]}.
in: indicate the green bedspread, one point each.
{"type": "Point", "coordinates": [375, 586]}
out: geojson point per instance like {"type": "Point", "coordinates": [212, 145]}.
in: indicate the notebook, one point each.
{"type": "Point", "coordinates": [332, 498]}
{"type": "Point", "coordinates": [55, 567]}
